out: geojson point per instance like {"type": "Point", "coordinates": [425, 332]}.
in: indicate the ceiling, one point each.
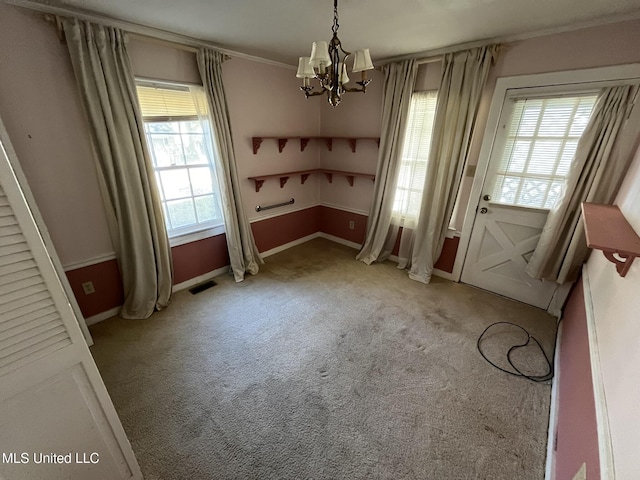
{"type": "Point", "coordinates": [282, 30]}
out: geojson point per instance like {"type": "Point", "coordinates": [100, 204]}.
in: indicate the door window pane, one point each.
{"type": "Point", "coordinates": [542, 135]}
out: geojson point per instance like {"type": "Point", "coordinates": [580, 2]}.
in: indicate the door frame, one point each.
{"type": "Point", "coordinates": [599, 77]}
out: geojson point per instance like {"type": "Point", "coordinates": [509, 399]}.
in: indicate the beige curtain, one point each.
{"type": "Point", "coordinates": [243, 253]}
{"type": "Point", "coordinates": [602, 158]}
{"type": "Point", "coordinates": [464, 75]}
{"type": "Point", "coordinates": [103, 72]}
{"type": "Point", "coordinates": [399, 80]}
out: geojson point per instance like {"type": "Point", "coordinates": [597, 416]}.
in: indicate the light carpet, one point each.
{"type": "Point", "coordinates": [321, 367]}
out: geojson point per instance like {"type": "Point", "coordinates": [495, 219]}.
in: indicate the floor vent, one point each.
{"type": "Point", "coordinates": [202, 287]}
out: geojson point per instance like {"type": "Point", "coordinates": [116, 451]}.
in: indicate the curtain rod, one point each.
{"type": "Point", "coordinates": [143, 32]}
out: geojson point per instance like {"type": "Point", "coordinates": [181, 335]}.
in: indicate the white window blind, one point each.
{"type": "Point", "coordinates": [541, 136]}
{"type": "Point", "coordinates": [415, 155]}
{"type": "Point", "coordinates": [168, 101]}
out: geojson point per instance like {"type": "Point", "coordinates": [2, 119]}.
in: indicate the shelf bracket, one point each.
{"type": "Point", "coordinates": [256, 144]}
{"type": "Point", "coordinates": [350, 179]}
{"type": "Point", "coordinates": [283, 180]}
{"type": "Point", "coordinates": [329, 176]}
{"type": "Point", "coordinates": [258, 184]}
{"type": "Point", "coordinates": [303, 143]}
{"type": "Point", "coordinates": [281, 143]}
{"type": "Point", "coordinates": [329, 142]}
{"type": "Point", "coordinates": [352, 143]}
{"type": "Point", "coordinates": [303, 178]}
{"type": "Point", "coordinates": [622, 266]}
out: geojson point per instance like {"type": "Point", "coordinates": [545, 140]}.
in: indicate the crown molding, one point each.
{"type": "Point", "coordinates": [153, 34]}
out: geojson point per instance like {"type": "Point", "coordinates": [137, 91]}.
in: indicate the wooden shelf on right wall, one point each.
{"type": "Point", "coordinates": [606, 229]}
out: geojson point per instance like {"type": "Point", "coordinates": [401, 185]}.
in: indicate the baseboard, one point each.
{"type": "Point", "coordinates": [102, 316]}
{"type": "Point", "coordinates": [605, 449]}
{"type": "Point", "coordinates": [339, 240]}
{"type": "Point", "coordinates": [199, 279]}
{"type": "Point", "coordinates": [288, 245]}
{"type": "Point", "coordinates": [550, 466]}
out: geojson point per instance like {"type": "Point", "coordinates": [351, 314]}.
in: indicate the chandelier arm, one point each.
{"type": "Point", "coordinates": [331, 77]}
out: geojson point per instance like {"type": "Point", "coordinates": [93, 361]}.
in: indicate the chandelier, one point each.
{"type": "Point", "coordinates": [327, 64]}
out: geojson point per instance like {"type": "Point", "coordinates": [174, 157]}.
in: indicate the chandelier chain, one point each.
{"type": "Point", "coordinates": [336, 25]}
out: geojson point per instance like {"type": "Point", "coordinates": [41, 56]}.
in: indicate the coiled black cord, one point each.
{"type": "Point", "coordinates": [534, 378]}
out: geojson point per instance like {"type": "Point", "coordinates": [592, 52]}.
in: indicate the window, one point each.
{"type": "Point", "coordinates": [179, 140]}
{"type": "Point", "coordinates": [540, 140]}
{"type": "Point", "coordinates": [415, 154]}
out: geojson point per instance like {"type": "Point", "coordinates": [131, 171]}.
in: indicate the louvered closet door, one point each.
{"type": "Point", "coordinates": [52, 398]}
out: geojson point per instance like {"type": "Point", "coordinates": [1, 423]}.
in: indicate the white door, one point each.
{"type": "Point", "coordinates": [531, 153]}
{"type": "Point", "coordinates": [56, 418]}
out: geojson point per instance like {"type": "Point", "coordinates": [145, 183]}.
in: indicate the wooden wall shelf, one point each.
{"type": "Point", "coordinates": [304, 141]}
{"type": "Point", "coordinates": [606, 229]}
{"type": "Point", "coordinates": [304, 174]}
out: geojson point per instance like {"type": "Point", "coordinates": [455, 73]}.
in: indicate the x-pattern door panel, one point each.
{"type": "Point", "coordinates": [502, 243]}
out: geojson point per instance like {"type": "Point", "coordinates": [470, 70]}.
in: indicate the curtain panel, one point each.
{"type": "Point", "coordinates": [103, 72]}
{"type": "Point", "coordinates": [464, 75]}
{"type": "Point", "coordinates": [602, 158]}
{"type": "Point", "coordinates": [399, 80]}
{"type": "Point", "coordinates": [243, 254]}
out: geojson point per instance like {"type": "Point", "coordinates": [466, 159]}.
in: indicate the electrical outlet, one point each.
{"type": "Point", "coordinates": [352, 225]}
{"type": "Point", "coordinates": [87, 288]}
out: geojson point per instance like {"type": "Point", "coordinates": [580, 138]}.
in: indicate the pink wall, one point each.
{"type": "Point", "coordinates": [265, 100]}
{"type": "Point", "coordinates": [42, 113]}
{"type": "Point", "coordinates": [616, 303]}
{"type": "Point", "coordinates": [577, 436]}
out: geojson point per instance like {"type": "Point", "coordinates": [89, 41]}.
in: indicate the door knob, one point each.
{"type": "Point", "coordinates": [487, 197]}
{"type": "Point", "coordinates": [483, 210]}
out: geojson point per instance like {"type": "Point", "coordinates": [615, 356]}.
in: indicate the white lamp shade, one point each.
{"type": "Point", "coordinates": [305, 70]}
{"type": "Point", "coordinates": [362, 61]}
{"type": "Point", "coordinates": [344, 78]}
{"type": "Point", "coordinates": [320, 55]}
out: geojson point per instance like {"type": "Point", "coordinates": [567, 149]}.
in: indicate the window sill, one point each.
{"type": "Point", "coordinates": [195, 236]}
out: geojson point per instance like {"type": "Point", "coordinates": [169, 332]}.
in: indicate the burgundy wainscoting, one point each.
{"type": "Point", "coordinates": [276, 231]}
{"type": "Point", "coordinates": [105, 277]}
{"type": "Point", "coordinates": [336, 222]}
{"type": "Point", "coordinates": [577, 436]}
{"type": "Point", "coordinates": [198, 258]}
{"type": "Point", "coordinates": [447, 256]}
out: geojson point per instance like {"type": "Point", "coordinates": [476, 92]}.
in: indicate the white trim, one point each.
{"type": "Point", "coordinates": [100, 317]}
{"type": "Point", "coordinates": [105, 257]}
{"type": "Point", "coordinates": [191, 237]}
{"type": "Point", "coordinates": [550, 466]}
{"type": "Point", "coordinates": [176, 40]}
{"type": "Point", "coordinates": [605, 448]}
{"type": "Point", "coordinates": [345, 209]}
{"type": "Point", "coordinates": [341, 241]}
{"type": "Point", "coordinates": [199, 279]}
{"type": "Point", "coordinates": [286, 246]}
{"type": "Point", "coordinates": [267, 216]}
{"type": "Point", "coordinates": [558, 299]}
{"type": "Point", "coordinates": [616, 73]}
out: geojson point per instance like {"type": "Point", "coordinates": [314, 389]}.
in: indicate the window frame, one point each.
{"type": "Point", "coordinates": [201, 230]}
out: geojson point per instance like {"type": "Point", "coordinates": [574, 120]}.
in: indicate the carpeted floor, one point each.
{"type": "Point", "coordinates": [321, 367]}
